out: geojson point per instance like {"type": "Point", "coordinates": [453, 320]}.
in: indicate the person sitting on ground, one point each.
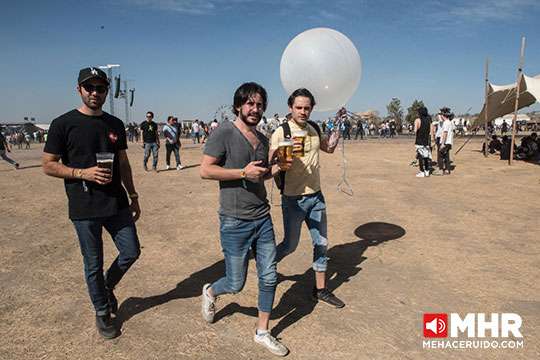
{"type": "Point", "coordinates": [505, 148]}
{"type": "Point", "coordinates": [494, 145]}
{"type": "Point", "coordinates": [528, 149]}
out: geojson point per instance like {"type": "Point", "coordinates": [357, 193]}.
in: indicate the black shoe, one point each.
{"type": "Point", "coordinates": [111, 299]}
{"type": "Point", "coordinates": [105, 327]}
{"type": "Point", "coordinates": [326, 297]}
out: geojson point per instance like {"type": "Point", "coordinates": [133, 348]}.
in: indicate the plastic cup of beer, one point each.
{"type": "Point", "coordinates": [299, 136]}
{"type": "Point", "coordinates": [105, 160]}
{"type": "Point", "coordinates": [284, 153]}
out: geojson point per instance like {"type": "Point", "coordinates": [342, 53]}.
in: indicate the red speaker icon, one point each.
{"type": "Point", "coordinates": [435, 325]}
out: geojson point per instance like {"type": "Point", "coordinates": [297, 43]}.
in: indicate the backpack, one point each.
{"type": "Point", "coordinates": [279, 178]}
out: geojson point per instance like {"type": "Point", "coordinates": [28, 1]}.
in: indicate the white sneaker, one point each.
{"type": "Point", "coordinates": [271, 343]}
{"type": "Point", "coordinates": [208, 307]}
{"type": "Point", "coordinates": [180, 167]}
{"type": "Point", "coordinates": [168, 167]}
{"type": "Point", "coordinates": [426, 173]}
{"type": "Point", "coordinates": [421, 174]}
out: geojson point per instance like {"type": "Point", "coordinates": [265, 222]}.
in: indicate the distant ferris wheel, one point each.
{"type": "Point", "coordinates": [224, 113]}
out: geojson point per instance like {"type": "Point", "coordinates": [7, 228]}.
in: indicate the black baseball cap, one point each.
{"type": "Point", "coordinates": [92, 72]}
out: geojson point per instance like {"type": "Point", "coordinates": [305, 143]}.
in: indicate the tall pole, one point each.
{"type": "Point", "coordinates": [510, 161]}
{"type": "Point", "coordinates": [486, 112]}
{"type": "Point", "coordinates": [126, 92]}
{"type": "Point", "coordinates": [111, 96]}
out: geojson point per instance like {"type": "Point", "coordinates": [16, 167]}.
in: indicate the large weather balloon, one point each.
{"type": "Point", "coordinates": [325, 62]}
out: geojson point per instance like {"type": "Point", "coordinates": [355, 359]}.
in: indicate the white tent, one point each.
{"type": "Point", "coordinates": [510, 117]}
{"type": "Point", "coordinates": [502, 99]}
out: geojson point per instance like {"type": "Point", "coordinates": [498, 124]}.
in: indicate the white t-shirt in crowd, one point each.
{"type": "Point", "coordinates": [195, 128]}
{"type": "Point", "coordinates": [448, 128]}
{"type": "Point", "coordinates": [438, 124]}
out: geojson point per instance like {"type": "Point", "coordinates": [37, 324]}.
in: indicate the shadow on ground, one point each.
{"type": "Point", "coordinates": [187, 288]}
{"type": "Point", "coordinates": [295, 302]}
{"type": "Point", "coordinates": [344, 260]}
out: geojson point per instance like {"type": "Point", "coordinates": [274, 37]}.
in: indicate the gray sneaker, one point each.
{"type": "Point", "coordinates": [271, 343]}
{"type": "Point", "coordinates": [208, 307]}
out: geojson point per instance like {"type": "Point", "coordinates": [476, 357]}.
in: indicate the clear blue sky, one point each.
{"type": "Point", "coordinates": [187, 57]}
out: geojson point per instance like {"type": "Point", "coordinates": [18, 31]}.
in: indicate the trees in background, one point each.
{"type": "Point", "coordinates": [413, 111]}
{"type": "Point", "coordinates": [395, 111]}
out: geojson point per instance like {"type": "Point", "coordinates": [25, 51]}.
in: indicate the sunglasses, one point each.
{"type": "Point", "coordinates": [99, 88]}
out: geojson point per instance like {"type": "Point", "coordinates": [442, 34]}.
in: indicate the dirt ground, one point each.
{"type": "Point", "coordinates": [400, 247]}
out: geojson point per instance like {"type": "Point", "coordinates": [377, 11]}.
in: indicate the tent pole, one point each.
{"type": "Point", "coordinates": [510, 161]}
{"type": "Point", "coordinates": [486, 120]}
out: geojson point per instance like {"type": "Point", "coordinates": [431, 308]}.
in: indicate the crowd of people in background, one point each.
{"type": "Point", "coordinates": [22, 139]}
{"type": "Point", "coordinates": [352, 127]}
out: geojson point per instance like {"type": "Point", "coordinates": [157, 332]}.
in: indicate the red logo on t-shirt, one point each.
{"type": "Point", "coordinates": [435, 325]}
{"type": "Point", "coordinates": [113, 137]}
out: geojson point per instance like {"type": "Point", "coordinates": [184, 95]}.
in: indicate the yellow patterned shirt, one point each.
{"type": "Point", "coordinates": [302, 178]}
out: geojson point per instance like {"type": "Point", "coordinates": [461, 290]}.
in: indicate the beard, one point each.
{"type": "Point", "coordinates": [94, 105]}
{"type": "Point", "coordinates": [244, 118]}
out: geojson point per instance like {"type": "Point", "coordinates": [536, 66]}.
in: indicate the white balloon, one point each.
{"type": "Point", "coordinates": [325, 62]}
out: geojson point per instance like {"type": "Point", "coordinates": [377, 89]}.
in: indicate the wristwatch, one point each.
{"type": "Point", "coordinates": [134, 196]}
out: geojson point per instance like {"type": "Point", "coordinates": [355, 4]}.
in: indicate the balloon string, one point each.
{"type": "Point", "coordinates": [345, 168]}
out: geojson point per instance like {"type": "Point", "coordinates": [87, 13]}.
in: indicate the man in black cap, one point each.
{"type": "Point", "coordinates": [96, 197]}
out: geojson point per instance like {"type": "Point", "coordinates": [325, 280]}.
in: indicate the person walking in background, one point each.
{"type": "Point", "coordinates": [20, 140]}
{"type": "Point", "coordinates": [359, 129]}
{"type": "Point", "coordinates": [5, 147]}
{"type": "Point", "coordinates": [195, 131]}
{"type": "Point", "coordinates": [204, 131]}
{"type": "Point", "coordinates": [150, 141]}
{"type": "Point", "coordinates": [27, 139]}
{"type": "Point", "coordinates": [172, 143]}
{"type": "Point", "coordinates": [96, 197]}
{"type": "Point", "coordinates": [346, 127]}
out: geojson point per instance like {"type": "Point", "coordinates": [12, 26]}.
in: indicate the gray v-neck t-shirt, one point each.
{"type": "Point", "coordinates": [240, 199]}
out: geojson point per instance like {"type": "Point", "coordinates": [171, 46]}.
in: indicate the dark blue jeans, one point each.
{"type": "Point", "coordinates": [237, 236]}
{"type": "Point", "coordinates": [172, 148]}
{"type": "Point", "coordinates": [153, 147]}
{"type": "Point", "coordinates": [122, 229]}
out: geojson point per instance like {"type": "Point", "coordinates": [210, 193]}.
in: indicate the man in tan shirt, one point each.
{"type": "Point", "coordinates": [302, 199]}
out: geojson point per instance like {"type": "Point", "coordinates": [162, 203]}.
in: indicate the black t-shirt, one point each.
{"type": "Point", "coordinates": [495, 144]}
{"type": "Point", "coordinates": [149, 131]}
{"type": "Point", "coordinates": [505, 150]}
{"type": "Point", "coordinates": [78, 137]}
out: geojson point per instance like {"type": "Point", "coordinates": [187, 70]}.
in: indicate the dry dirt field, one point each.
{"type": "Point", "coordinates": [399, 247]}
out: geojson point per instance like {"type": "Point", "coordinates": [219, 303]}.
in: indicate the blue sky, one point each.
{"type": "Point", "coordinates": [187, 57]}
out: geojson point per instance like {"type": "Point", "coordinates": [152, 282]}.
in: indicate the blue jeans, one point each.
{"type": "Point", "coordinates": [237, 236]}
{"type": "Point", "coordinates": [4, 156]}
{"type": "Point", "coordinates": [172, 148]}
{"type": "Point", "coordinates": [311, 209]}
{"type": "Point", "coordinates": [154, 147]}
{"type": "Point", "coordinates": [122, 229]}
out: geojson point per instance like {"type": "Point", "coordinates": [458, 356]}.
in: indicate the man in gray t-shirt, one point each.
{"type": "Point", "coordinates": [236, 154]}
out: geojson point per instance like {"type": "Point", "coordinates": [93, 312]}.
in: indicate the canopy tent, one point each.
{"type": "Point", "coordinates": [502, 99]}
